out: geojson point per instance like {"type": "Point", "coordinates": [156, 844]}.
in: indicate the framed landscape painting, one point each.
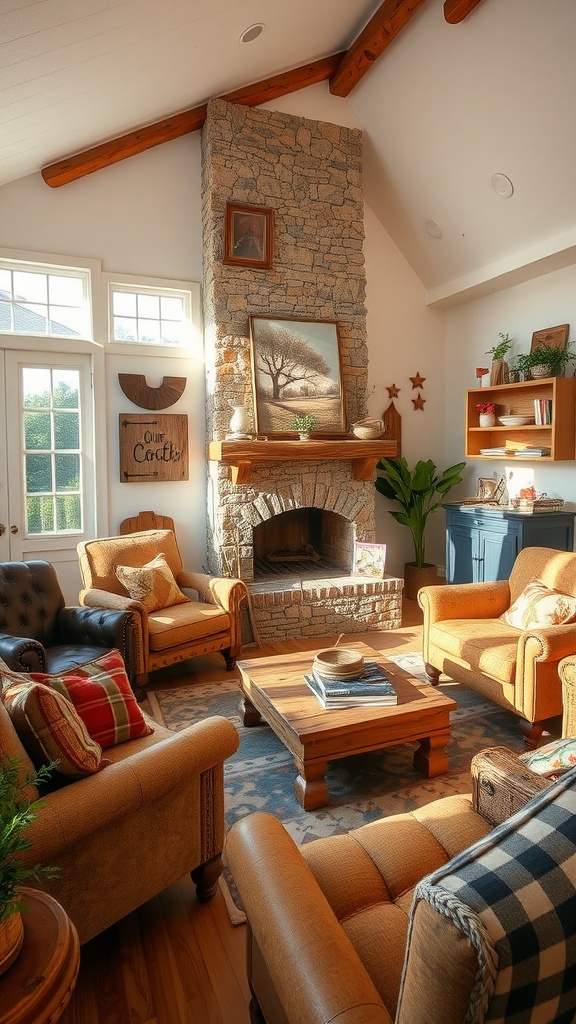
{"type": "Point", "coordinates": [296, 370]}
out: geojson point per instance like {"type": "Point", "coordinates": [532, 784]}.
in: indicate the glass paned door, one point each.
{"type": "Point", "coordinates": [50, 457]}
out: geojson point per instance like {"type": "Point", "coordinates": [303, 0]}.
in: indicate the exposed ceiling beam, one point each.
{"type": "Point", "coordinates": [383, 26]}
{"type": "Point", "coordinates": [111, 152]}
{"type": "Point", "coordinates": [456, 10]}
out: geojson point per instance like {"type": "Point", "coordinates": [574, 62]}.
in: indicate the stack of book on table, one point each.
{"type": "Point", "coordinates": [370, 688]}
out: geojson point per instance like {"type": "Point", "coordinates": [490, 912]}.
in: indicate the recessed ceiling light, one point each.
{"type": "Point", "coordinates": [252, 32]}
{"type": "Point", "coordinates": [502, 185]}
{"type": "Point", "coordinates": [433, 229]}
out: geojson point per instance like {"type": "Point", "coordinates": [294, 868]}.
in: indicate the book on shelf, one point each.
{"type": "Point", "coordinates": [542, 411]}
{"type": "Point", "coordinates": [372, 688]}
{"type": "Point", "coordinates": [532, 453]}
{"type": "Point", "coordinates": [497, 451]}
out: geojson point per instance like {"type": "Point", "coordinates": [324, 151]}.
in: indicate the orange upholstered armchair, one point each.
{"type": "Point", "coordinates": [170, 628]}
{"type": "Point", "coordinates": [516, 667]}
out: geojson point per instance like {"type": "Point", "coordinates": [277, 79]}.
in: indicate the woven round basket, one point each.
{"type": "Point", "coordinates": [339, 663]}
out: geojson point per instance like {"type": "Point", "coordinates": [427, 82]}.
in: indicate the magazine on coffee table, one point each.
{"type": "Point", "coordinates": [372, 688]}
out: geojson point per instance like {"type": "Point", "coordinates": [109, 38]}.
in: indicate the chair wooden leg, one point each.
{"type": "Point", "coordinates": [205, 877]}
{"type": "Point", "coordinates": [433, 674]}
{"type": "Point", "coordinates": [230, 656]}
{"type": "Point", "coordinates": [532, 732]}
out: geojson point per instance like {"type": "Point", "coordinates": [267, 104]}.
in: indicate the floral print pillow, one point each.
{"type": "Point", "coordinates": [539, 606]}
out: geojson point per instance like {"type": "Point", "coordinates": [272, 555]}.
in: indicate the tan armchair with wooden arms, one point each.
{"type": "Point", "coordinates": [172, 634]}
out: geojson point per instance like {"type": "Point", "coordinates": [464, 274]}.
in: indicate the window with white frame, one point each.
{"type": "Point", "coordinates": [148, 312]}
{"type": "Point", "coordinates": [43, 299]}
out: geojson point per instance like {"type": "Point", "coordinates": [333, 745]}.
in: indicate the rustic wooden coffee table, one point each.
{"type": "Point", "coordinates": [274, 689]}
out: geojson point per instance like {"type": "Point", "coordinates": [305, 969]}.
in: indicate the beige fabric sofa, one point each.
{"type": "Point", "coordinates": [126, 833]}
{"type": "Point", "coordinates": [464, 638]}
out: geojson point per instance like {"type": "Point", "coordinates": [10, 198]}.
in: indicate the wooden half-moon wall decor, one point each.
{"type": "Point", "coordinates": [138, 391]}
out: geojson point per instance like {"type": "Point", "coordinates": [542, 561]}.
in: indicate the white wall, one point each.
{"type": "Point", "coordinates": [405, 338]}
{"type": "Point", "coordinates": [471, 330]}
{"type": "Point", "coordinates": [142, 217]}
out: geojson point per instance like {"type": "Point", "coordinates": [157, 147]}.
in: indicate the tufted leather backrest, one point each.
{"type": "Point", "coordinates": [30, 599]}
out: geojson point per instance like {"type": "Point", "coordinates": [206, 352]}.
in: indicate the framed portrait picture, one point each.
{"type": "Point", "coordinates": [249, 236]}
{"type": "Point", "coordinates": [555, 337]}
{"type": "Point", "coordinates": [296, 371]}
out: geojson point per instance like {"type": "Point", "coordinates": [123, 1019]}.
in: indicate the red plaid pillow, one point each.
{"type": "Point", "coordinates": [101, 693]}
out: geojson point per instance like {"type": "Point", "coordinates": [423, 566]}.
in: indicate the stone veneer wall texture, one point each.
{"type": "Point", "coordinates": [310, 174]}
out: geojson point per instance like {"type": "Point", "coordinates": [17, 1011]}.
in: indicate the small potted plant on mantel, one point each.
{"type": "Point", "coordinates": [303, 424]}
{"type": "Point", "coordinates": [16, 816]}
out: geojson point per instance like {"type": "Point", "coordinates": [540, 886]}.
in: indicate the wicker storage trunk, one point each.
{"type": "Point", "coordinates": [502, 784]}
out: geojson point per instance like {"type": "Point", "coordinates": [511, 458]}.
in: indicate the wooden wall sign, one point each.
{"type": "Point", "coordinates": [153, 448]}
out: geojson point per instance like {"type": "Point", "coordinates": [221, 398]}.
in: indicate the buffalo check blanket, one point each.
{"type": "Point", "coordinates": [513, 894]}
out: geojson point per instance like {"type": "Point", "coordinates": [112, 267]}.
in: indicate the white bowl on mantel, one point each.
{"type": "Point", "coordinates": [368, 430]}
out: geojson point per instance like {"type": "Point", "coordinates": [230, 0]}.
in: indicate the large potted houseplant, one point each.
{"type": "Point", "coordinates": [16, 816]}
{"type": "Point", "coordinates": [420, 491]}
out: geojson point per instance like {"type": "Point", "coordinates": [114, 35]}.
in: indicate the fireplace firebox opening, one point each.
{"type": "Point", "coordinates": [307, 541]}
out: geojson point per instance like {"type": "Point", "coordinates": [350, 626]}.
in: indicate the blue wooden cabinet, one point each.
{"type": "Point", "coordinates": [482, 542]}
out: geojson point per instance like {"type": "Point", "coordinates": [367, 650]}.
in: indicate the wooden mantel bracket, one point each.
{"type": "Point", "coordinates": [241, 455]}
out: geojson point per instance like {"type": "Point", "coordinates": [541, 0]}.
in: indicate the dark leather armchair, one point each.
{"type": "Point", "coordinates": [39, 633]}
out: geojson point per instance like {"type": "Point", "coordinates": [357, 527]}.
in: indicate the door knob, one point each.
{"type": "Point", "coordinates": [13, 529]}
{"type": "Point", "coordinates": [2, 529]}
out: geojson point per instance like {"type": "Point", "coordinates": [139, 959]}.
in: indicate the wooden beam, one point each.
{"type": "Point", "coordinates": [64, 171]}
{"type": "Point", "coordinates": [456, 10]}
{"type": "Point", "coordinates": [383, 26]}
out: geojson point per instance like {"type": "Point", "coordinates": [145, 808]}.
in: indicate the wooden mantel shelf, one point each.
{"type": "Point", "coordinates": [242, 454]}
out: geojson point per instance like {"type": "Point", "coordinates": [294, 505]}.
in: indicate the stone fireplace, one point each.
{"type": "Point", "coordinates": [285, 518]}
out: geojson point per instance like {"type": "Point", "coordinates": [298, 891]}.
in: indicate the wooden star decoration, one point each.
{"type": "Point", "coordinates": [393, 391]}
{"type": "Point", "coordinates": [418, 403]}
{"type": "Point", "coordinates": [417, 381]}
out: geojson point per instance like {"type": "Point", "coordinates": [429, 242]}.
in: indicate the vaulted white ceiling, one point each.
{"type": "Point", "coordinates": [443, 109]}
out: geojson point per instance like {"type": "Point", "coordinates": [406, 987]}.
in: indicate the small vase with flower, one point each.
{"type": "Point", "coordinates": [486, 414]}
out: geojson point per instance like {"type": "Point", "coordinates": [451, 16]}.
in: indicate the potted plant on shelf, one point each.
{"type": "Point", "coordinates": [499, 367]}
{"type": "Point", "coordinates": [16, 816]}
{"type": "Point", "coordinates": [486, 414]}
{"type": "Point", "coordinates": [420, 491]}
{"type": "Point", "coordinates": [547, 361]}
{"type": "Point", "coordinates": [303, 424]}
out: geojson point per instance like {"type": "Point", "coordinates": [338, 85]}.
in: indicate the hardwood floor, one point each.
{"type": "Point", "coordinates": [175, 960]}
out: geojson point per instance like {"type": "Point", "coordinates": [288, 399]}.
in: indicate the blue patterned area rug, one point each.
{"type": "Point", "coordinates": [362, 788]}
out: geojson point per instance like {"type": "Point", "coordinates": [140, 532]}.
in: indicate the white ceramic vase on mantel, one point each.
{"type": "Point", "coordinates": [238, 424]}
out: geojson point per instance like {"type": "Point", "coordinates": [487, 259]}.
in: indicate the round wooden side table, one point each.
{"type": "Point", "coordinates": [38, 985]}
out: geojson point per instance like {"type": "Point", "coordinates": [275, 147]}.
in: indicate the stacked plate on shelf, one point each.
{"type": "Point", "coordinates": [515, 421]}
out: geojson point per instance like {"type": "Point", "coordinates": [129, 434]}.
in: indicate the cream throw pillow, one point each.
{"type": "Point", "coordinates": [152, 584]}
{"type": "Point", "coordinates": [539, 606]}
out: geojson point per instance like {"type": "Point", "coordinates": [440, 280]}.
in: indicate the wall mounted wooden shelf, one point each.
{"type": "Point", "coordinates": [559, 435]}
{"type": "Point", "coordinates": [241, 455]}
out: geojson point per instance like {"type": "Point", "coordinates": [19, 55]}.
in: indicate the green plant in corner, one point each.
{"type": "Point", "coordinates": [420, 491]}
{"type": "Point", "coordinates": [303, 423]}
{"type": "Point", "coordinates": [16, 816]}
{"type": "Point", "coordinates": [556, 359]}
{"type": "Point", "coordinates": [499, 351]}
